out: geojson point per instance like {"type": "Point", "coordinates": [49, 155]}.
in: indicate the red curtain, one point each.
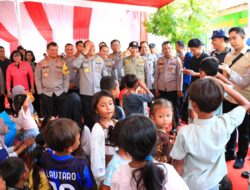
{"type": "Point", "coordinates": [81, 22]}
{"type": "Point", "coordinates": [40, 20]}
{"type": "Point", "coordinates": [143, 32]}
{"type": "Point", "coordinates": [148, 3]}
{"type": "Point", "coordinates": [8, 37]}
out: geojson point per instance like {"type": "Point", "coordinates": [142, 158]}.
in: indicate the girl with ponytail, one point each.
{"type": "Point", "coordinates": [138, 137]}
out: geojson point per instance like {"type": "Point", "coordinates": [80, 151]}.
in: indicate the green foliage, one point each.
{"type": "Point", "coordinates": [183, 20]}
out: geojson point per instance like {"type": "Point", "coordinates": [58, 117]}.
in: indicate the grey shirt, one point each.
{"type": "Point", "coordinates": [133, 103]}
{"type": "Point", "coordinates": [51, 77]}
{"type": "Point", "coordinates": [168, 77]}
{"type": "Point", "coordinates": [117, 58]}
{"type": "Point", "coordinates": [111, 70]}
{"type": "Point", "coordinates": [151, 60]}
{"type": "Point", "coordinates": [91, 72]}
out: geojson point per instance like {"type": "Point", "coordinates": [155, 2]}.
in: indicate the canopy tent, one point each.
{"type": "Point", "coordinates": [34, 23]}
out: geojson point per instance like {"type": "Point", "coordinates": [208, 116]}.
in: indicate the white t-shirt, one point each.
{"type": "Point", "coordinates": [123, 179]}
{"type": "Point", "coordinates": [85, 140]}
{"type": "Point", "coordinates": [202, 146]}
{"type": "Point", "coordinates": [25, 120]}
{"type": "Point", "coordinates": [98, 151]}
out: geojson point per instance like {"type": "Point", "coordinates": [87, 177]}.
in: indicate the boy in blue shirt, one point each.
{"type": "Point", "coordinates": [61, 168]}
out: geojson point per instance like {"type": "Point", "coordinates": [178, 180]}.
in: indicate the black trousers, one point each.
{"type": "Point", "coordinates": [172, 97]}
{"type": "Point", "coordinates": [54, 105]}
{"type": "Point", "coordinates": [184, 104]}
{"type": "Point", "coordinates": [2, 103]}
{"type": "Point", "coordinates": [243, 130]}
{"type": "Point", "coordinates": [87, 111]}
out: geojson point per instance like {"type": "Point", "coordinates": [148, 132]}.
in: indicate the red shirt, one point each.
{"type": "Point", "coordinates": [19, 75]}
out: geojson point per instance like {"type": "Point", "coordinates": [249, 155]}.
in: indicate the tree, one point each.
{"type": "Point", "coordinates": [183, 20]}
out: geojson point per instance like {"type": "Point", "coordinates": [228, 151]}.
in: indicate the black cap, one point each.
{"type": "Point", "coordinates": [152, 45]}
{"type": "Point", "coordinates": [133, 44]}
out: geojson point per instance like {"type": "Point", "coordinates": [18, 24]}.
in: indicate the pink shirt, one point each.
{"type": "Point", "coordinates": [19, 76]}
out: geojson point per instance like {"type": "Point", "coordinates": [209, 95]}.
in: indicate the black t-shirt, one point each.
{"type": "Point", "coordinates": [195, 64]}
{"type": "Point", "coordinates": [4, 64]}
{"type": "Point", "coordinates": [220, 55]}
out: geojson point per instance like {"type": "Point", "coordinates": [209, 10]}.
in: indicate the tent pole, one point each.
{"type": "Point", "coordinates": [18, 12]}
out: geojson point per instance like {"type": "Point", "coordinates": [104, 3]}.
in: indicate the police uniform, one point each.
{"type": "Point", "coordinates": [168, 80]}
{"type": "Point", "coordinates": [90, 72]}
{"type": "Point", "coordinates": [151, 60]}
{"type": "Point", "coordinates": [73, 73]}
{"type": "Point", "coordinates": [52, 82]}
{"type": "Point", "coordinates": [229, 103]}
{"type": "Point", "coordinates": [117, 58]}
{"type": "Point", "coordinates": [135, 65]}
{"type": "Point", "coordinates": [110, 67]}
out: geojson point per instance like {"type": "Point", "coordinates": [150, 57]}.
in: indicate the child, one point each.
{"type": "Point", "coordinates": [161, 113]}
{"type": "Point", "coordinates": [15, 173]}
{"type": "Point", "coordinates": [24, 119]}
{"type": "Point", "coordinates": [199, 148]}
{"type": "Point", "coordinates": [138, 137]}
{"type": "Point", "coordinates": [61, 168]}
{"type": "Point", "coordinates": [121, 157]}
{"type": "Point", "coordinates": [12, 151]}
{"type": "Point", "coordinates": [102, 149]}
{"type": "Point", "coordinates": [132, 101]}
{"type": "Point", "coordinates": [37, 177]}
{"type": "Point", "coordinates": [208, 67]}
{"type": "Point", "coordinates": [112, 85]}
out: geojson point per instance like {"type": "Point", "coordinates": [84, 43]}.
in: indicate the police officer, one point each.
{"type": "Point", "coordinates": [110, 64]}
{"type": "Point", "coordinates": [79, 48]}
{"type": "Point", "coordinates": [91, 69]}
{"type": "Point", "coordinates": [151, 60]}
{"type": "Point", "coordinates": [117, 56]}
{"type": "Point", "coordinates": [52, 82]}
{"type": "Point", "coordinates": [219, 42]}
{"type": "Point", "coordinates": [169, 78]}
{"type": "Point", "coordinates": [135, 64]}
{"type": "Point", "coordinates": [73, 72]}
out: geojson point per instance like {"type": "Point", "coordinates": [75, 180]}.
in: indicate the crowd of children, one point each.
{"type": "Point", "coordinates": [126, 150]}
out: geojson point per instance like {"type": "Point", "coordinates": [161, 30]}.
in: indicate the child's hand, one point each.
{"type": "Point", "coordinates": [18, 143]}
{"type": "Point", "coordinates": [225, 68]}
{"type": "Point", "coordinates": [141, 84]}
{"type": "Point", "coordinates": [29, 141]}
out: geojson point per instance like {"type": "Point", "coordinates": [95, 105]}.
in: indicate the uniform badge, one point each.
{"type": "Point", "coordinates": [65, 69]}
{"type": "Point", "coordinates": [86, 70]}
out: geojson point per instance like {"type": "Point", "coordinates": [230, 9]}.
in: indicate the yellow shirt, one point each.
{"type": "Point", "coordinates": [44, 183]}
